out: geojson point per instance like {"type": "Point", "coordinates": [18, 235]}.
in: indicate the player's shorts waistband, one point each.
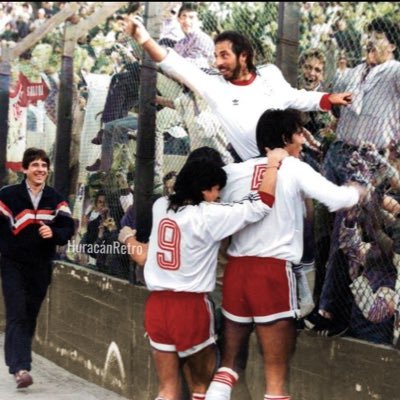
{"type": "Point", "coordinates": [257, 260]}
{"type": "Point", "coordinates": [171, 293]}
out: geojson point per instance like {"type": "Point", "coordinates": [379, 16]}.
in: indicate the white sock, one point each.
{"type": "Point", "coordinates": [221, 385]}
{"type": "Point", "coordinates": [276, 397]}
{"type": "Point", "coordinates": [198, 396]}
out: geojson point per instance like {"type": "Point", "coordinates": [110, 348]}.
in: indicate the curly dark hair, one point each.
{"type": "Point", "coordinates": [206, 154]}
{"type": "Point", "coordinates": [194, 177]}
{"type": "Point", "coordinates": [240, 44]}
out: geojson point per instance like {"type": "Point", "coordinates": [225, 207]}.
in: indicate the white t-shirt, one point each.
{"type": "Point", "coordinates": [183, 245]}
{"type": "Point", "coordinates": [239, 107]}
{"type": "Point", "coordinates": [280, 234]}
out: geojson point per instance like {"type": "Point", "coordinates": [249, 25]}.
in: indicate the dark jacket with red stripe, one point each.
{"type": "Point", "coordinates": [20, 222]}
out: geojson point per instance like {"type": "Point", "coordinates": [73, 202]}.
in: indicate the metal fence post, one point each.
{"type": "Point", "coordinates": [5, 71]}
{"type": "Point", "coordinates": [144, 170]}
{"type": "Point", "coordinates": [287, 54]}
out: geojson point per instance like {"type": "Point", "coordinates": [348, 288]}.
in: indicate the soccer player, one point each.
{"type": "Point", "coordinates": [259, 285]}
{"type": "Point", "coordinates": [180, 269]}
{"type": "Point", "coordinates": [241, 92]}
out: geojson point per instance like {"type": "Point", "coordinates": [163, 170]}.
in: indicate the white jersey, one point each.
{"type": "Point", "coordinates": [183, 245]}
{"type": "Point", "coordinates": [280, 234]}
{"type": "Point", "coordinates": [239, 107]}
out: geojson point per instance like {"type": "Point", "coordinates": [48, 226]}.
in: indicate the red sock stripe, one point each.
{"type": "Point", "coordinates": [276, 397]}
{"type": "Point", "coordinates": [225, 377]}
{"type": "Point", "coordinates": [197, 396]}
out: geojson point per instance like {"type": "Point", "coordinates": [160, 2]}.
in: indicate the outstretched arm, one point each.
{"type": "Point", "coordinates": [340, 99]}
{"type": "Point", "coordinates": [135, 28]}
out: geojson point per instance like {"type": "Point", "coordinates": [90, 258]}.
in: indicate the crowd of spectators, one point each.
{"type": "Point", "coordinates": [18, 19]}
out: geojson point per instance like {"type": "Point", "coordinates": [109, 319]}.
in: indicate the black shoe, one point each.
{"type": "Point", "coordinates": [94, 167]}
{"type": "Point", "coordinates": [322, 326]}
{"type": "Point", "coordinates": [99, 137]}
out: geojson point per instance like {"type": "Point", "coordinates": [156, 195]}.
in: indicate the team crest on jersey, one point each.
{"type": "Point", "coordinates": [257, 176]}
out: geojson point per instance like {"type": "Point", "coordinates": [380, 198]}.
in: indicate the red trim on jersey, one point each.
{"type": "Point", "coordinates": [246, 82]}
{"type": "Point", "coordinates": [23, 213]}
{"type": "Point", "coordinates": [267, 198]}
{"type": "Point", "coordinates": [325, 103]}
{"type": "Point", "coordinates": [5, 210]}
{"type": "Point", "coordinates": [24, 225]}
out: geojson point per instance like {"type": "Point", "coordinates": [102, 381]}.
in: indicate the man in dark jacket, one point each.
{"type": "Point", "coordinates": [34, 219]}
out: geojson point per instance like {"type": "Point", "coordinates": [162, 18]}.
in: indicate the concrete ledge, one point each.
{"type": "Point", "coordinates": [92, 325]}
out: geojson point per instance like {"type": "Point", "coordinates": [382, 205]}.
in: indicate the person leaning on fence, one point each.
{"type": "Point", "coordinates": [240, 93]}
{"type": "Point", "coordinates": [312, 71]}
{"type": "Point", "coordinates": [259, 285]}
{"type": "Point", "coordinates": [180, 267]}
{"type": "Point", "coordinates": [374, 117]}
{"type": "Point", "coordinates": [34, 218]}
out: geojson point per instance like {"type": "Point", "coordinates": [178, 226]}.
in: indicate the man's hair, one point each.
{"type": "Point", "coordinates": [191, 7]}
{"type": "Point", "coordinates": [206, 154]}
{"type": "Point", "coordinates": [312, 53]}
{"type": "Point", "coordinates": [275, 128]}
{"type": "Point", "coordinates": [240, 44]}
{"type": "Point", "coordinates": [389, 28]}
{"type": "Point", "coordinates": [194, 177]}
{"type": "Point", "coordinates": [33, 154]}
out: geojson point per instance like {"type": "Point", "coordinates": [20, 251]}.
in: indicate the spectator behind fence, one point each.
{"type": "Point", "coordinates": [240, 94]}
{"type": "Point", "coordinates": [369, 237]}
{"type": "Point", "coordinates": [94, 216]}
{"type": "Point", "coordinates": [171, 31]}
{"type": "Point", "coordinates": [312, 68]}
{"type": "Point", "coordinates": [179, 317]}
{"type": "Point", "coordinates": [259, 285]}
{"type": "Point", "coordinates": [373, 117]}
{"type": "Point", "coordinates": [40, 19]}
{"type": "Point", "coordinates": [34, 218]}
{"type": "Point", "coordinates": [196, 46]}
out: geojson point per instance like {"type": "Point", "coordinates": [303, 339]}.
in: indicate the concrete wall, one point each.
{"type": "Point", "coordinates": [91, 324]}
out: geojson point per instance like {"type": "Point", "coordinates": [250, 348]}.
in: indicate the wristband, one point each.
{"type": "Point", "coordinates": [144, 38]}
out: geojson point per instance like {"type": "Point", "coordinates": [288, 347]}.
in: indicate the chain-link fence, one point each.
{"type": "Point", "coordinates": [352, 254]}
{"type": "Point", "coordinates": [357, 282]}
